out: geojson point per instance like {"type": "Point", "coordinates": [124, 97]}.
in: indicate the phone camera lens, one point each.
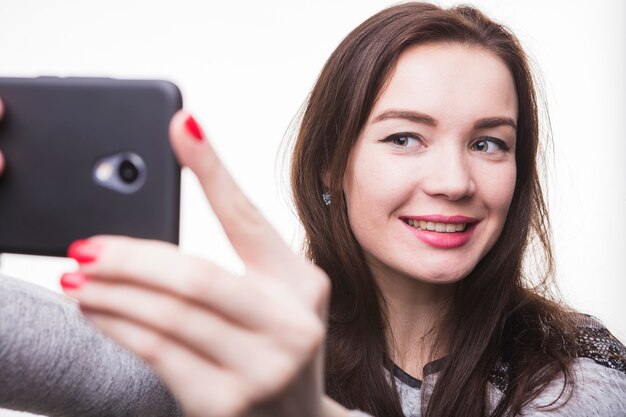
{"type": "Point", "coordinates": [128, 171]}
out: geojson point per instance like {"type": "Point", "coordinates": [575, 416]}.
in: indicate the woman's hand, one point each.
{"type": "Point", "coordinates": [225, 345]}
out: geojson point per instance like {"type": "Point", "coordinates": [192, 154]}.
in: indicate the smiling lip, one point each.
{"type": "Point", "coordinates": [438, 218]}
{"type": "Point", "coordinates": [443, 240]}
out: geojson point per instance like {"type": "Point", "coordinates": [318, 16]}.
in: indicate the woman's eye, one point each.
{"type": "Point", "coordinates": [490, 145]}
{"type": "Point", "coordinates": [404, 140]}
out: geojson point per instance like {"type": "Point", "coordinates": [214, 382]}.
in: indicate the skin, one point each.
{"type": "Point", "coordinates": [258, 356]}
{"type": "Point", "coordinates": [267, 357]}
{"type": "Point", "coordinates": [437, 168]}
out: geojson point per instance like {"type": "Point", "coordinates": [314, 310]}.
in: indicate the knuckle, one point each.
{"type": "Point", "coordinates": [245, 216]}
{"type": "Point", "coordinates": [324, 286]}
{"type": "Point", "coordinates": [318, 334]}
{"type": "Point", "coordinates": [237, 208]}
{"type": "Point", "coordinates": [231, 404]}
{"type": "Point", "coordinates": [151, 348]}
{"type": "Point", "coordinates": [226, 405]}
{"type": "Point", "coordinates": [313, 337]}
{"type": "Point", "coordinates": [173, 317]}
{"type": "Point", "coordinates": [195, 277]}
{"type": "Point", "coordinates": [320, 288]}
{"type": "Point", "coordinates": [119, 255]}
{"type": "Point", "coordinates": [227, 397]}
{"type": "Point", "coordinates": [270, 376]}
{"type": "Point", "coordinates": [126, 256]}
{"type": "Point", "coordinates": [304, 336]}
{"type": "Point", "coordinates": [243, 208]}
{"type": "Point", "coordinates": [199, 278]}
{"type": "Point", "coordinates": [209, 169]}
{"type": "Point", "coordinates": [225, 287]}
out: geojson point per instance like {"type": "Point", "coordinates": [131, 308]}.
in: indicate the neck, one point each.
{"type": "Point", "coordinates": [415, 312]}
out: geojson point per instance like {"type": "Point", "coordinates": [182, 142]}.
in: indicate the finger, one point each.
{"type": "Point", "coordinates": [188, 323]}
{"type": "Point", "coordinates": [1, 109]}
{"type": "Point", "coordinates": [202, 387]}
{"type": "Point", "coordinates": [252, 237]}
{"type": "Point", "coordinates": [161, 266]}
{"type": "Point", "coordinates": [203, 329]}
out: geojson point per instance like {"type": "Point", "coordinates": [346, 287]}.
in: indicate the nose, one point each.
{"type": "Point", "coordinates": [450, 176]}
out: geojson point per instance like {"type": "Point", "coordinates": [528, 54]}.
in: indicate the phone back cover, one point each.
{"type": "Point", "coordinates": [53, 132]}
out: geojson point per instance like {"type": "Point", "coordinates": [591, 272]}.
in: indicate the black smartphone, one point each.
{"type": "Point", "coordinates": [86, 156]}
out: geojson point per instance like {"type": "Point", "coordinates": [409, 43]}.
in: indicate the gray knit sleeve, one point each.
{"type": "Point", "coordinates": [52, 362]}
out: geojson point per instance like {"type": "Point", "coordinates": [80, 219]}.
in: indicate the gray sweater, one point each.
{"type": "Point", "coordinates": [53, 362]}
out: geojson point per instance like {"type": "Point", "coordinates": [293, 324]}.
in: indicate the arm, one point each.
{"type": "Point", "coordinates": [53, 362]}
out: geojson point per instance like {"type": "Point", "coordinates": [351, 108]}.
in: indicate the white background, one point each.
{"type": "Point", "coordinates": [246, 67]}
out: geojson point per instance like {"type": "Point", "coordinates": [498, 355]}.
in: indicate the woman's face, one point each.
{"type": "Point", "coordinates": [431, 177]}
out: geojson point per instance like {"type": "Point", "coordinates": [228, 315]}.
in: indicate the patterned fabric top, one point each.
{"type": "Point", "coordinates": [601, 364]}
{"type": "Point", "coordinates": [597, 343]}
{"type": "Point", "coordinates": [594, 342]}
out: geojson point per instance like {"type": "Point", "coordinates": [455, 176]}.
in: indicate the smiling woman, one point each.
{"type": "Point", "coordinates": [423, 121]}
{"type": "Point", "coordinates": [415, 176]}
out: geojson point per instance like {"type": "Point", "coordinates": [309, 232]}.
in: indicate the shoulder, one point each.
{"type": "Point", "coordinates": [593, 389]}
{"type": "Point", "coordinates": [597, 382]}
{"type": "Point", "coordinates": [594, 341]}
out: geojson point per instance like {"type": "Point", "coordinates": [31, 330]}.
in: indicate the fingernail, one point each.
{"type": "Point", "coordinates": [83, 251]}
{"type": "Point", "coordinates": [73, 280]}
{"type": "Point", "coordinates": [193, 128]}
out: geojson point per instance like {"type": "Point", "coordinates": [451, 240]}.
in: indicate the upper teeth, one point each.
{"type": "Point", "coordinates": [437, 227]}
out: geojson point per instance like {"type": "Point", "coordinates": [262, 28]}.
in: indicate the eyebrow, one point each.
{"type": "Point", "coordinates": [490, 122]}
{"type": "Point", "coordinates": [409, 115]}
{"type": "Point", "coordinates": [416, 117]}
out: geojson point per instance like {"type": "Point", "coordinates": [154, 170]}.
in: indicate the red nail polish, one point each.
{"type": "Point", "coordinates": [73, 280]}
{"type": "Point", "coordinates": [193, 128]}
{"type": "Point", "coordinates": [83, 251]}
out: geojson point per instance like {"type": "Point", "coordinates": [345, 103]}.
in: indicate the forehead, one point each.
{"type": "Point", "coordinates": [453, 83]}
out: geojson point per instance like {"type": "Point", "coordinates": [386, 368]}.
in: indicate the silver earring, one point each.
{"type": "Point", "coordinates": [326, 198]}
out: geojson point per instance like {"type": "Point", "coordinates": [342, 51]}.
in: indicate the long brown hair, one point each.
{"type": "Point", "coordinates": [496, 313]}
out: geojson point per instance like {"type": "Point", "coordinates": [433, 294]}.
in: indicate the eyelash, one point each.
{"type": "Point", "coordinates": [498, 142]}
{"type": "Point", "coordinates": [504, 147]}
{"type": "Point", "coordinates": [396, 136]}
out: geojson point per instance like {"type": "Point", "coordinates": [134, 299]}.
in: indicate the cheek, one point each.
{"type": "Point", "coordinates": [498, 191]}
{"type": "Point", "coordinates": [373, 184]}
{"type": "Point", "coordinates": [372, 190]}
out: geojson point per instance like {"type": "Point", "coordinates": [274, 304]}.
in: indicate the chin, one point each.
{"type": "Point", "coordinates": [441, 276]}
{"type": "Point", "coordinates": [440, 280]}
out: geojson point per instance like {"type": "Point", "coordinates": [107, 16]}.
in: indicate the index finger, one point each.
{"type": "Point", "coordinates": [253, 238]}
